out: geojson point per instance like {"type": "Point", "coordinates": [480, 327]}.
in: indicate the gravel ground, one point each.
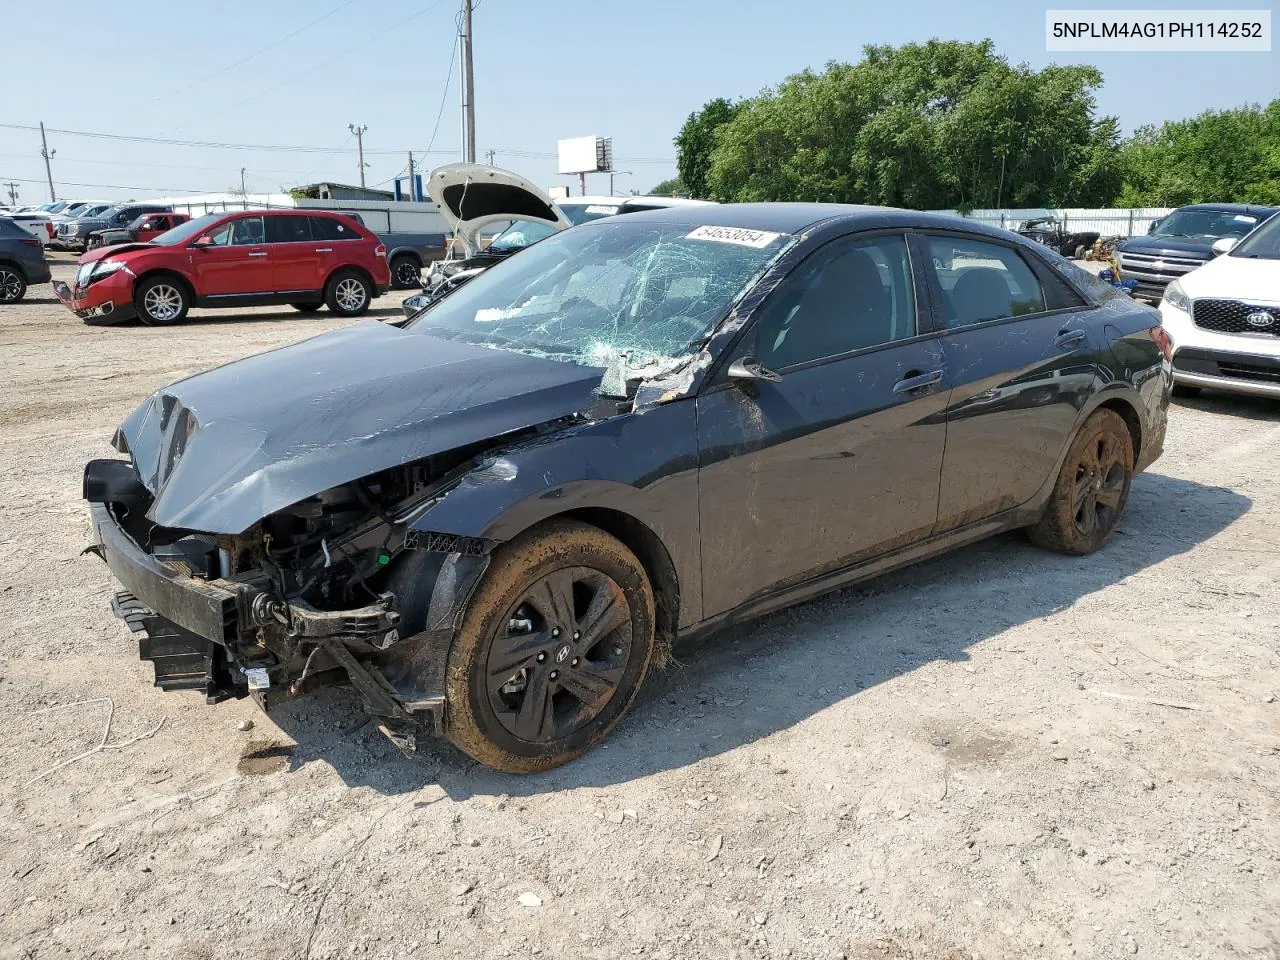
{"type": "Point", "coordinates": [998, 754]}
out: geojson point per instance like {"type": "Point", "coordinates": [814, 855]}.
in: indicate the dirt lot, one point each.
{"type": "Point", "coordinates": [999, 754]}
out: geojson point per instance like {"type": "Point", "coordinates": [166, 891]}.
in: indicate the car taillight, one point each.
{"type": "Point", "coordinates": [29, 242]}
{"type": "Point", "coordinates": [1162, 340]}
{"type": "Point", "coordinates": [49, 229]}
{"type": "Point", "coordinates": [379, 251]}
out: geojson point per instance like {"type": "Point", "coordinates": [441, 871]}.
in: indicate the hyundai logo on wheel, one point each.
{"type": "Point", "coordinates": [1259, 318]}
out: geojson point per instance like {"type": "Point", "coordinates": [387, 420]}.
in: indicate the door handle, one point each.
{"type": "Point", "coordinates": [1069, 338]}
{"type": "Point", "coordinates": [257, 253]}
{"type": "Point", "coordinates": [324, 249]}
{"type": "Point", "coordinates": [917, 381]}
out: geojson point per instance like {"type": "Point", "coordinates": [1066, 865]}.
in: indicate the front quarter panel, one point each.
{"type": "Point", "coordinates": [640, 464]}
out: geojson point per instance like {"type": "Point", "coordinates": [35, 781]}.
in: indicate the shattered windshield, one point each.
{"type": "Point", "coordinates": [641, 288]}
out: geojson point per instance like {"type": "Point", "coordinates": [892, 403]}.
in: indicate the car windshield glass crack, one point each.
{"type": "Point", "coordinates": [588, 296]}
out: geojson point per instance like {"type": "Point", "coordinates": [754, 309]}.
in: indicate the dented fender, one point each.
{"type": "Point", "coordinates": [642, 465]}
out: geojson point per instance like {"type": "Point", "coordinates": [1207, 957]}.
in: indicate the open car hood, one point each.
{"type": "Point", "coordinates": [472, 196]}
{"type": "Point", "coordinates": [225, 448]}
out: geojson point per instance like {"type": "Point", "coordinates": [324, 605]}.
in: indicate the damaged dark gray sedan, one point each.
{"type": "Point", "coordinates": [494, 518]}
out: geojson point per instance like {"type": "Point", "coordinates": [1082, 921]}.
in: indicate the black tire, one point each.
{"type": "Point", "coordinates": [406, 272]}
{"type": "Point", "coordinates": [161, 301]}
{"type": "Point", "coordinates": [307, 307]}
{"type": "Point", "coordinates": [1185, 392]}
{"type": "Point", "coordinates": [1080, 251]}
{"type": "Point", "coordinates": [340, 293]}
{"type": "Point", "coordinates": [13, 285]}
{"type": "Point", "coordinates": [1089, 498]}
{"type": "Point", "coordinates": [583, 605]}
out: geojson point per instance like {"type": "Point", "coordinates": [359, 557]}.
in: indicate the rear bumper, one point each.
{"type": "Point", "coordinates": [36, 271]}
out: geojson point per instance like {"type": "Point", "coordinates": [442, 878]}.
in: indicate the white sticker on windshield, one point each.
{"type": "Point", "coordinates": [739, 235]}
{"type": "Point", "coordinates": [600, 208]}
{"type": "Point", "coordinates": [1241, 218]}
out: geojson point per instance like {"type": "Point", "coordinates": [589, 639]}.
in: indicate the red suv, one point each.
{"type": "Point", "coordinates": [251, 258]}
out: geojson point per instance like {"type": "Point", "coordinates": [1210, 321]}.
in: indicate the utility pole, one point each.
{"type": "Point", "coordinates": [489, 154]}
{"type": "Point", "coordinates": [468, 88]}
{"type": "Point", "coordinates": [617, 173]}
{"type": "Point", "coordinates": [358, 132]}
{"type": "Point", "coordinates": [13, 191]}
{"type": "Point", "coordinates": [413, 192]}
{"type": "Point", "coordinates": [243, 192]}
{"type": "Point", "coordinates": [48, 155]}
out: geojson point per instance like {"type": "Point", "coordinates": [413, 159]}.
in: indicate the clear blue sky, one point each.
{"type": "Point", "coordinates": [545, 69]}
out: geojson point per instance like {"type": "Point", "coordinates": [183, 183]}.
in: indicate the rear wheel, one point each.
{"type": "Point", "coordinates": [13, 285]}
{"type": "Point", "coordinates": [307, 307]}
{"type": "Point", "coordinates": [161, 302]}
{"type": "Point", "coordinates": [554, 646]}
{"type": "Point", "coordinates": [406, 272]}
{"type": "Point", "coordinates": [348, 293]}
{"type": "Point", "coordinates": [1092, 489]}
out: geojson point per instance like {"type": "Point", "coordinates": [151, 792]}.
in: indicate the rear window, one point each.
{"type": "Point", "coordinates": [332, 228]}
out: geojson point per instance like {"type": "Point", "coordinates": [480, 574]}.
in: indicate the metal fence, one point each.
{"type": "Point", "coordinates": [1107, 221]}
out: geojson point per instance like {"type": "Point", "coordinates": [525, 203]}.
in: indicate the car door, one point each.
{"type": "Point", "coordinates": [837, 460]}
{"type": "Point", "coordinates": [295, 265]}
{"type": "Point", "coordinates": [236, 263]}
{"type": "Point", "coordinates": [1021, 351]}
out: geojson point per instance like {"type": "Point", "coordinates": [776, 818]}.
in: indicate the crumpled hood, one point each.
{"type": "Point", "coordinates": [225, 448]}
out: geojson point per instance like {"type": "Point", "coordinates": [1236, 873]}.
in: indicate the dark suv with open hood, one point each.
{"type": "Point", "coordinates": [1181, 242]}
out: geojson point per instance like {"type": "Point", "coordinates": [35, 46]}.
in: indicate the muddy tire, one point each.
{"type": "Point", "coordinates": [348, 293]}
{"type": "Point", "coordinates": [553, 649]}
{"type": "Point", "coordinates": [161, 301]}
{"type": "Point", "coordinates": [1090, 496]}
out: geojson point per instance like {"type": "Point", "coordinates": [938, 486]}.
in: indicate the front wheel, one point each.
{"type": "Point", "coordinates": [161, 302]}
{"type": "Point", "coordinates": [554, 646]}
{"type": "Point", "coordinates": [348, 293]}
{"type": "Point", "coordinates": [13, 285]}
{"type": "Point", "coordinates": [1089, 498]}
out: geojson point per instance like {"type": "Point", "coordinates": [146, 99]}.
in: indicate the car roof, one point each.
{"type": "Point", "coordinates": [1231, 207]}
{"type": "Point", "coordinates": [797, 217]}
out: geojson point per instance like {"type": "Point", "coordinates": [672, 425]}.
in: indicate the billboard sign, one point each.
{"type": "Point", "coordinates": [586, 155]}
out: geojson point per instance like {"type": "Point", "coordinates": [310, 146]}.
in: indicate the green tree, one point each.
{"type": "Point", "coordinates": [669, 188]}
{"type": "Point", "coordinates": [696, 140]}
{"type": "Point", "coordinates": [1223, 155]}
{"type": "Point", "coordinates": [935, 125]}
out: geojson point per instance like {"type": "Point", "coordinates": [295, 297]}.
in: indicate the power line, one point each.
{"type": "Point", "coordinates": [448, 79]}
{"type": "Point", "coordinates": [122, 186]}
{"type": "Point", "coordinates": [293, 78]}
{"type": "Point", "coordinates": [257, 53]}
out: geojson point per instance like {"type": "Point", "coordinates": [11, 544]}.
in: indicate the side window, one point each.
{"type": "Point", "coordinates": [849, 295]}
{"type": "Point", "coordinates": [982, 281]}
{"type": "Point", "coordinates": [247, 231]}
{"type": "Point", "coordinates": [332, 228]}
{"type": "Point", "coordinates": [286, 229]}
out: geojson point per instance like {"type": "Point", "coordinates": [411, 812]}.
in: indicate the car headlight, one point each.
{"type": "Point", "coordinates": [1176, 297]}
{"type": "Point", "coordinates": [104, 268]}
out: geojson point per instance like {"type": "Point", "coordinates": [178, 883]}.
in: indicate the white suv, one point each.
{"type": "Point", "coordinates": [1224, 318]}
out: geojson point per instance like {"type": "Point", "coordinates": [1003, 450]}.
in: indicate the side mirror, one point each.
{"type": "Point", "coordinates": [749, 368]}
{"type": "Point", "coordinates": [1154, 224]}
{"type": "Point", "coordinates": [1224, 245]}
{"type": "Point", "coordinates": [204, 240]}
